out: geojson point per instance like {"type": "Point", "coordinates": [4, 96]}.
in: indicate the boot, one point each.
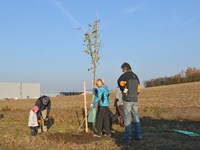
{"type": "Point", "coordinates": [137, 132]}
{"type": "Point", "coordinates": [35, 131]}
{"type": "Point", "coordinates": [32, 132]}
{"type": "Point", "coordinates": [128, 132]}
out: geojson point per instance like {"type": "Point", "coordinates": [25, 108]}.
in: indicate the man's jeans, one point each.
{"type": "Point", "coordinates": [131, 110]}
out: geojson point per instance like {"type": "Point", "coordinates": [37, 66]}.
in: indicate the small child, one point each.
{"type": "Point", "coordinates": [118, 104]}
{"type": "Point", "coordinates": [32, 122]}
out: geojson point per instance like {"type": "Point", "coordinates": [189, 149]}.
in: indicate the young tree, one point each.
{"type": "Point", "coordinates": [91, 40]}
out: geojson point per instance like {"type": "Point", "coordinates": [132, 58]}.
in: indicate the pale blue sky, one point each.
{"type": "Point", "coordinates": [39, 40]}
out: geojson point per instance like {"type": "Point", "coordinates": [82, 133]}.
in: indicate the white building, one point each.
{"type": "Point", "coordinates": [19, 90]}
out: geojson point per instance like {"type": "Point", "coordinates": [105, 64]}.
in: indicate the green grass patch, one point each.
{"type": "Point", "coordinates": [155, 110]}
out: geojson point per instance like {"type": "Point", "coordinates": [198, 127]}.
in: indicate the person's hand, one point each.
{"type": "Point", "coordinates": [92, 105]}
{"type": "Point", "coordinates": [46, 119]}
{"type": "Point", "coordinates": [125, 90]}
{"type": "Point", "coordinates": [118, 104]}
{"type": "Point", "coordinates": [39, 121]}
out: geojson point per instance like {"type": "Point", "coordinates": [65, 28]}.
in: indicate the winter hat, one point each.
{"type": "Point", "coordinates": [35, 108]}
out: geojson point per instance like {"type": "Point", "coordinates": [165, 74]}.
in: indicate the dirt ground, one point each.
{"type": "Point", "coordinates": [161, 109]}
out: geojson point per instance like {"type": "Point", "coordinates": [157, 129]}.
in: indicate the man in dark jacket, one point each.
{"type": "Point", "coordinates": [129, 84]}
{"type": "Point", "coordinates": [44, 105]}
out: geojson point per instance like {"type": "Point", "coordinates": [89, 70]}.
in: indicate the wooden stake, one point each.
{"type": "Point", "coordinates": [85, 105]}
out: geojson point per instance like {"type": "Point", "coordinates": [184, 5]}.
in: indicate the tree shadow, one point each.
{"type": "Point", "coordinates": [159, 134]}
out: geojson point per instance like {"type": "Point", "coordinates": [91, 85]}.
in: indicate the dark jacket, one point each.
{"type": "Point", "coordinates": [132, 82]}
{"type": "Point", "coordinates": [46, 104]}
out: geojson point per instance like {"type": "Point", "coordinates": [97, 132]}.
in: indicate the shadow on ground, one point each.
{"type": "Point", "coordinates": [158, 135]}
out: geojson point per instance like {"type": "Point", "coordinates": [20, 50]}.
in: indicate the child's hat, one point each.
{"type": "Point", "coordinates": [35, 108]}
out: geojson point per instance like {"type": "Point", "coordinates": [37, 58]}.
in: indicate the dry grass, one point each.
{"type": "Point", "coordinates": [161, 109]}
{"type": "Point", "coordinates": [180, 101]}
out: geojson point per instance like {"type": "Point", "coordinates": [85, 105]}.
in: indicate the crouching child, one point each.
{"type": "Point", "coordinates": [32, 121]}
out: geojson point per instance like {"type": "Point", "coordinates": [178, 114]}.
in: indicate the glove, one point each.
{"type": "Point", "coordinates": [125, 90]}
{"type": "Point", "coordinates": [92, 105]}
{"type": "Point", "coordinates": [39, 121]}
{"type": "Point", "coordinates": [46, 119]}
{"type": "Point", "coordinates": [122, 83]}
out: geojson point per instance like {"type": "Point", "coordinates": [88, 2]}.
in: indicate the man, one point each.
{"type": "Point", "coordinates": [44, 105]}
{"type": "Point", "coordinates": [129, 85]}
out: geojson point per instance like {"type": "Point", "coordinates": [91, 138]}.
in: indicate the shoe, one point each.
{"type": "Point", "coordinates": [127, 139]}
{"type": "Point", "coordinates": [137, 132]}
{"type": "Point", "coordinates": [108, 135]}
{"type": "Point", "coordinates": [33, 132]}
{"type": "Point", "coordinates": [96, 135]}
{"type": "Point", "coordinates": [112, 131]}
{"type": "Point", "coordinates": [139, 138]}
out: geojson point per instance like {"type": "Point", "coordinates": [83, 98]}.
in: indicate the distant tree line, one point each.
{"type": "Point", "coordinates": [190, 75]}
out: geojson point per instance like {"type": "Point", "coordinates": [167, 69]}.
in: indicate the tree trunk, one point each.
{"type": "Point", "coordinates": [94, 73]}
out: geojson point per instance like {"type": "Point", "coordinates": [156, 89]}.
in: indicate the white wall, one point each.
{"type": "Point", "coordinates": [30, 90]}
{"type": "Point", "coordinates": [19, 90]}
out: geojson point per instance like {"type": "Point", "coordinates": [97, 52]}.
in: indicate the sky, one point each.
{"type": "Point", "coordinates": [39, 40]}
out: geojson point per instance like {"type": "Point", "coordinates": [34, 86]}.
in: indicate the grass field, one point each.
{"type": "Point", "coordinates": [161, 109]}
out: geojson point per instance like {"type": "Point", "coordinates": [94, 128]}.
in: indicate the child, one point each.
{"type": "Point", "coordinates": [118, 104]}
{"type": "Point", "coordinates": [32, 122]}
{"type": "Point", "coordinates": [103, 111]}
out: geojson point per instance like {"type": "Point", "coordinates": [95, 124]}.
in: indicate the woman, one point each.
{"type": "Point", "coordinates": [103, 112]}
